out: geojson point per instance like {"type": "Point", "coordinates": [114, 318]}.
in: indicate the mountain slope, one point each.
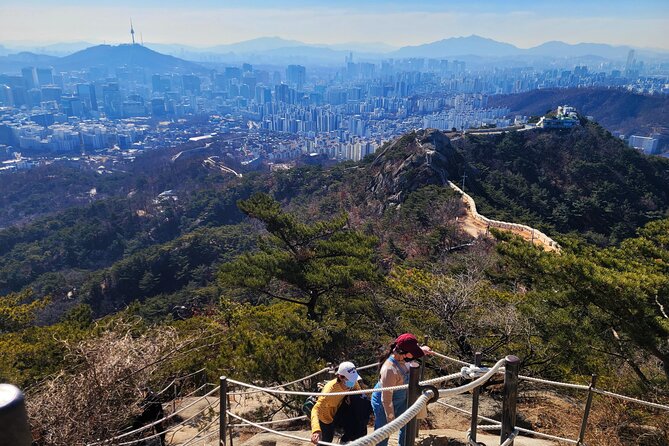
{"type": "Point", "coordinates": [630, 113]}
{"type": "Point", "coordinates": [459, 46]}
{"type": "Point", "coordinates": [581, 180]}
{"type": "Point", "coordinates": [126, 55]}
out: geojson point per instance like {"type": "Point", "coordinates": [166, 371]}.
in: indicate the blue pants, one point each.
{"type": "Point", "coordinates": [399, 404]}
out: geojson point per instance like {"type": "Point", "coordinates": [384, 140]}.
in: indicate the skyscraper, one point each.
{"type": "Point", "coordinates": [6, 97]}
{"type": "Point", "coordinates": [86, 93]}
{"type": "Point", "coordinates": [191, 83]}
{"type": "Point", "coordinates": [113, 100]}
{"type": "Point", "coordinates": [29, 77]}
{"type": "Point", "coordinates": [44, 76]}
{"type": "Point", "coordinates": [296, 76]}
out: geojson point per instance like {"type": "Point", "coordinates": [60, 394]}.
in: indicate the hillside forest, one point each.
{"type": "Point", "coordinates": [268, 277]}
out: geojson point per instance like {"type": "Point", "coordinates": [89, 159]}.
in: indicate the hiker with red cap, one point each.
{"type": "Point", "coordinates": [351, 413]}
{"type": "Point", "coordinates": [389, 404]}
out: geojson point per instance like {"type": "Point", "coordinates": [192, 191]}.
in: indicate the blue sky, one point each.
{"type": "Point", "coordinates": [643, 23]}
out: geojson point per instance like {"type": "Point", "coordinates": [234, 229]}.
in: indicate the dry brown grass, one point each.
{"type": "Point", "coordinates": [100, 394]}
{"type": "Point", "coordinates": [611, 422]}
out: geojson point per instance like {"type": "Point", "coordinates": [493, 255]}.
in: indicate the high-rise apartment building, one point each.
{"type": "Point", "coordinates": [86, 93]}
{"type": "Point", "coordinates": [44, 76]}
{"type": "Point", "coordinates": [644, 143]}
{"type": "Point", "coordinates": [296, 76]}
{"type": "Point", "coordinates": [29, 75]}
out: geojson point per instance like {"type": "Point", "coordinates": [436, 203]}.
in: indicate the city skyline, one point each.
{"type": "Point", "coordinates": [643, 24]}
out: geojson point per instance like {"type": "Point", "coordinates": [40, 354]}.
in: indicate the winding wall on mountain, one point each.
{"type": "Point", "coordinates": [531, 233]}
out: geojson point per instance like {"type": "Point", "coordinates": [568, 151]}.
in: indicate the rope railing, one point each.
{"type": "Point", "coordinates": [147, 426]}
{"type": "Point", "coordinates": [448, 358]}
{"type": "Point", "coordinates": [499, 425]}
{"type": "Point", "coordinates": [303, 393]}
{"type": "Point", "coordinates": [195, 438]}
{"type": "Point", "coordinates": [278, 386]}
{"type": "Point", "coordinates": [299, 380]}
{"type": "Point", "coordinates": [478, 375]}
{"type": "Point", "coordinates": [510, 438]}
{"type": "Point", "coordinates": [475, 383]}
{"type": "Point", "coordinates": [188, 395]}
{"type": "Point", "coordinates": [275, 432]}
{"type": "Point", "coordinates": [171, 429]}
{"type": "Point", "coordinates": [554, 383]}
{"type": "Point", "coordinates": [214, 432]}
{"type": "Point", "coordinates": [630, 399]}
{"type": "Point", "coordinates": [473, 371]}
{"type": "Point", "coordinates": [387, 430]}
{"type": "Point", "coordinates": [368, 366]}
{"type": "Point", "coordinates": [275, 390]}
{"type": "Point", "coordinates": [285, 420]}
{"type": "Point", "coordinates": [179, 378]}
{"type": "Point", "coordinates": [596, 390]}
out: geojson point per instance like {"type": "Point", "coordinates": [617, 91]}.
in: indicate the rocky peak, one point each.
{"type": "Point", "coordinates": [414, 160]}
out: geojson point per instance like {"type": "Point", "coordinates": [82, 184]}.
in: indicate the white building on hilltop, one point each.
{"type": "Point", "coordinates": [565, 118]}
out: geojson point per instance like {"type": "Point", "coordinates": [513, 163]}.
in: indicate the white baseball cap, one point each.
{"type": "Point", "coordinates": [348, 371]}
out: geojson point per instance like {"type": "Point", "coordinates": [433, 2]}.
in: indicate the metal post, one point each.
{"type": "Point", "coordinates": [223, 395]}
{"type": "Point", "coordinates": [586, 413]}
{"type": "Point", "coordinates": [475, 401]}
{"type": "Point", "coordinates": [510, 397]}
{"type": "Point", "coordinates": [14, 427]}
{"type": "Point", "coordinates": [174, 398]}
{"type": "Point", "coordinates": [422, 371]}
{"type": "Point", "coordinates": [411, 427]}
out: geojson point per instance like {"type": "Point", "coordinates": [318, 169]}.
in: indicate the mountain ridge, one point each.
{"type": "Point", "coordinates": [127, 54]}
{"type": "Point", "coordinates": [460, 46]}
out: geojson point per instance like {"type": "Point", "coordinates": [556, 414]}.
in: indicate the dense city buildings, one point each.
{"type": "Point", "coordinates": [344, 113]}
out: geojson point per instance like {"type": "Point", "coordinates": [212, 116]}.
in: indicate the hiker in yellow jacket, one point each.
{"type": "Point", "coordinates": [348, 412]}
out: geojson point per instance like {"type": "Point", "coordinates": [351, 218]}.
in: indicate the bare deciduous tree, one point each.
{"type": "Point", "coordinates": [101, 393]}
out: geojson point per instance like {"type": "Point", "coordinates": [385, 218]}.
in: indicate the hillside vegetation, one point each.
{"type": "Point", "coordinates": [582, 181]}
{"type": "Point", "coordinates": [330, 264]}
{"type": "Point", "coordinates": [629, 113]}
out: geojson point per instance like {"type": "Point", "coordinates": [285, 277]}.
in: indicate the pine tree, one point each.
{"type": "Point", "coordinates": [301, 263]}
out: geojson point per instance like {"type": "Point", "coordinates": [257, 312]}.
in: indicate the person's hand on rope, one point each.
{"type": "Point", "coordinates": [427, 350]}
{"type": "Point", "coordinates": [316, 437]}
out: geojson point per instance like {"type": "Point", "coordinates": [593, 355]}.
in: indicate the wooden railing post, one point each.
{"type": "Point", "coordinates": [586, 412]}
{"type": "Point", "coordinates": [475, 401]}
{"type": "Point", "coordinates": [510, 397]}
{"type": "Point", "coordinates": [14, 427]}
{"type": "Point", "coordinates": [223, 395]}
{"type": "Point", "coordinates": [413, 392]}
{"type": "Point", "coordinates": [422, 371]}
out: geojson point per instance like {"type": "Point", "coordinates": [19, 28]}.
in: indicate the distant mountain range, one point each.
{"type": "Point", "coordinates": [104, 56]}
{"type": "Point", "coordinates": [460, 46]}
{"type": "Point", "coordinates": [275, 50]}
{"type": "Point", "coordinates": [482, 47]}
{"type": "Point", "coordinates": [463, 47]}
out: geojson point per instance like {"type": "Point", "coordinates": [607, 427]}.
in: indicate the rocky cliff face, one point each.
{"type": "Point", "coordinates": [410, 162]}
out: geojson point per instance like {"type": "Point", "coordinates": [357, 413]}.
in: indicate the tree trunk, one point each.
{"type": "Point", "coordinates": [311, 307]}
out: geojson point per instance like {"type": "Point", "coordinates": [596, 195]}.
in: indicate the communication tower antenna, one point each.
{"type": "Point", "coordinates": [132, 32]}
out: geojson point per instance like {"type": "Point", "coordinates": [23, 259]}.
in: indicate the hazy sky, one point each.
{"type": "Point", "coordinates": [643, 23]}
